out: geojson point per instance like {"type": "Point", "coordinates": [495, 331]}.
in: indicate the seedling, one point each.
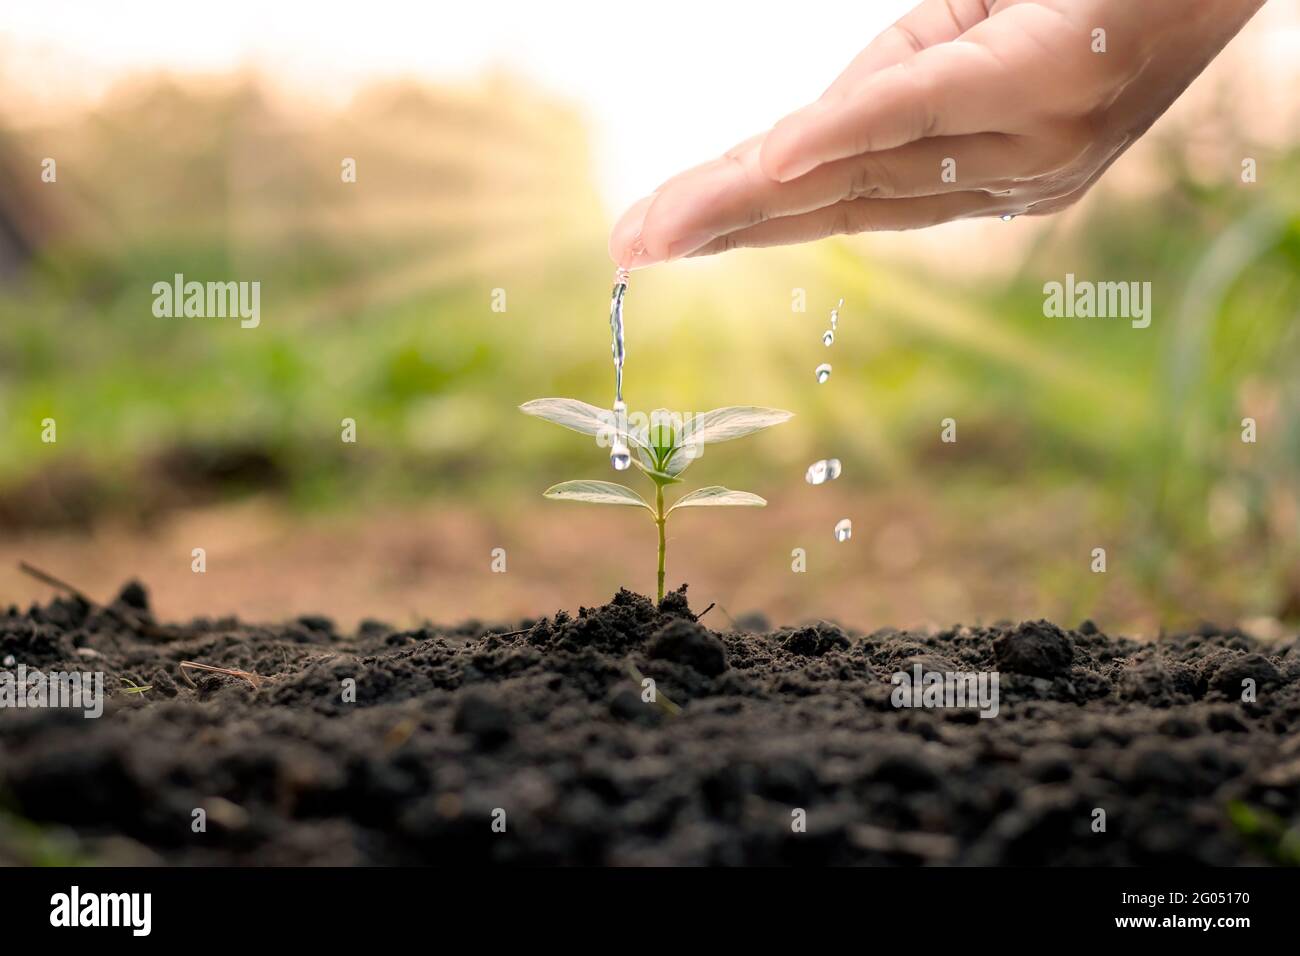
{"type": "Point", "coordinates": [186, 666]}
{"type": "Point", "coordinates": [664, 449]}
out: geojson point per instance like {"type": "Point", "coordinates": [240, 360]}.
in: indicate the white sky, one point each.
{"type": "Point", "coordinates": [665, 84]}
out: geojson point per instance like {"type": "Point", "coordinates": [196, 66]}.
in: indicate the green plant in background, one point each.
{"type": "Point", "coordinates": [1266, 832]}
{"type": "Point", "coordinates": [664, 447]}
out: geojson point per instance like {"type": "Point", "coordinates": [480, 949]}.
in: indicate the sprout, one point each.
{"type": "Point", "coordinates": [663, 450]}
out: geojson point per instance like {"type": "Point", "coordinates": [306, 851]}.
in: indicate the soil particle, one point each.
{"type": "Point", "coordinates": [674, 603]}
{"type": "Point", "coordinates": [1040, 648]}
{"type": "Point", "coordinates": [134, 596]}
{"type": "Point", "coordinates": [688, 643]}
{"type": "Point", "coordinates": [545, 721]}
{"type": "Point", "coordinates": [487, 723]}
{"type": "Point", "coordinates": [1230, 673]}
{"type": "Point", "coordinates": [626, 704]}
{"type": "Point", "coordinates": [315, 622]}
{"type": "Point", "coordinates": [815, 641]}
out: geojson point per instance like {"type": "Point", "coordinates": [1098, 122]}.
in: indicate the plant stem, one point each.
{"type": "Point", "coordinates": [660, 519]}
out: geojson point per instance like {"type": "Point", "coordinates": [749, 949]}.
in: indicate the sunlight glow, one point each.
{"type": "Point", "coordinates": [665, 85]}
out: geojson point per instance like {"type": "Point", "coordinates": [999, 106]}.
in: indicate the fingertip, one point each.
{"type": "Point", "coordinates": [625, 246]}
{"type": "Point", "coordinates": [639, 258]}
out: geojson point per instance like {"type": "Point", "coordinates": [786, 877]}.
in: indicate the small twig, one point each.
{"type": "Point", "coordinates": [706, 610]}
{"type": "Point", "coordinates": [127, 620]}
{"type": "Point", "coordinates": [523, 630]}
{"type": "Point", "coordinates": [228, 671]}
{"type": "Point", "coordinates": [661, 700]}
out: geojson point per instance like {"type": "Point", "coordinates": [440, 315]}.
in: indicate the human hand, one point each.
{"type": "Point", "coordinates": [963, 108]}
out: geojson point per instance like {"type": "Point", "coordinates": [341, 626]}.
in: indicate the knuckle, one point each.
{"type": "Point", "coordinates": [927, 93]}
{"type": "Point", "coordinates": [1055, 204]}
{"type": "Point", "coordinates": [870, 180]}
{"type": "Point", "coordinates": [1061, 148]}
{"type": "Point", "coordinates": [907, 37]}
{"type": "Point", "coordinates": [860, 183]}
{"type": "Point", "coordinates": [849, 218]}
{"type": "Point", "coordinates": [757, 202]}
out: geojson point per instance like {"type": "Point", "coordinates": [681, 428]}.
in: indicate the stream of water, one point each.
{"type": "Point", "coordinates": [619, 454]}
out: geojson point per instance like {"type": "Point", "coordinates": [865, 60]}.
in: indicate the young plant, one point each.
{"type": "Point", "coordinates": [662, 451]}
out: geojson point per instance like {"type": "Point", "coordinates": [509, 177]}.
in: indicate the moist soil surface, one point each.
{"type": "Point", "coordinates": [1104, 750]}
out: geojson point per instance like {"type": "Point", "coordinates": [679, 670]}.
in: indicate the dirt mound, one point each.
{"type": "Point", "coordinates": [544, 729]}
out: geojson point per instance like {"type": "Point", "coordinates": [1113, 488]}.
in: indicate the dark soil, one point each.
{"type": "Point", "coordinates": [548, 724]}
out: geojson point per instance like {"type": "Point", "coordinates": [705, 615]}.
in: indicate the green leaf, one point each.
{"type": "Point", "coordinates": [661, 433]}
{"type": "Point", "coordinates": [645, 459]}
{"type": "Point", "coordinates": [577, 416]}
{"type": "Point", "coordinates": [721, 424]}
{"type": "Point", "coordinates": [570, 413]}
{"type": "Point", "coordinates": [667, 436]}
{"type": "Point", "coordinates": [596, 492]}
{"type": "Point", "coordinates": [658, 477]}
{"type": "Point", "coordinates": [716, 495]}
{"type": "Point", "coordinates": [734, 421]}
{"type": "Point", "coordinates": [681, 458]}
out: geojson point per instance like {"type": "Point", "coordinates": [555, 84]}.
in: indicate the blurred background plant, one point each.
{"type": "Point", "coordinates": [377, 301]}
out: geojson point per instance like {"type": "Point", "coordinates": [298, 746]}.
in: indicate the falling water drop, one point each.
{"type": "Point", "coordinates": [1007, 217]}
{"type": "Point", "coordinates": [823, 372]}
{"type": "Point", "coordinates": [820, 472]}
{"type": "Point", "coordinates": [843, 529]}
{"type": "Point", "coordinates": [835, 316]}
{"type": "Point", "coordinates": [619, 455]}
{"type": "Point", "coordinates": [618, 348]}
{"type": "Point", "coordinates": [828, 337]}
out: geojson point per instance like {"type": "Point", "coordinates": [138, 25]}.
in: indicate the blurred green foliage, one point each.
{"type": "Point", "coordinates": [377, 305]}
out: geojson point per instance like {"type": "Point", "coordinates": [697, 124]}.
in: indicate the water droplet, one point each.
{"type": "Point", "coordinates": [618, 347]}
{"type": "Point", "coordinates": [828, 337]}
{"type": "Point", "coordinates": [9, 660]}
{"type": "Point", "coordinates": [823, 372]}
{"type": "Point", "coordinates": [1008, 217]}
{"type": "Point", "coordinates": [843, 529]}
{"type": "Point", "coordinates": [819, 472]}
{"type": "Point", "coordinates": [619, 454]}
